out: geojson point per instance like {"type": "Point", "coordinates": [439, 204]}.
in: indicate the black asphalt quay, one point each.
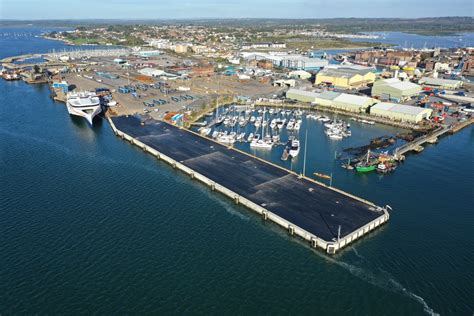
{"type": "Point", "coordinates": [313, 207]}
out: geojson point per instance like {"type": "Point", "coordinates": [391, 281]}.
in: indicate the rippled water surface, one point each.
{"type": "Point", "coordinates": [90, 223]}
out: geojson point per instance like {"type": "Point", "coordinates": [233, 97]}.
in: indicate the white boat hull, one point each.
{"type": "Point", "coordinates": [86, 112]}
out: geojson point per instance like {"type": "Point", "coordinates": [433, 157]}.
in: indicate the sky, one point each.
{"type": "Point", "coordinates": [189, 9]}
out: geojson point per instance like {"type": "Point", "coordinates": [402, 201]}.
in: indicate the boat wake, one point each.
{"type": "Point", "coordinates": [381, 279]}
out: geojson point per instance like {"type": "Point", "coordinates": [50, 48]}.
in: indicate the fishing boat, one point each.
{"type": "Point", "coordinates": [367, 165]}
{"type": "Point", "coordinates": [365, 168]}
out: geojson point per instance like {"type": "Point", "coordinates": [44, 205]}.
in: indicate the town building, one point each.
{"type": "Point", "coordinates": [400, 112]}
{"type": "Point", "coordinates": [284, 60]}
{"type": "Point", "coordinates": [265, 64]}
{"type": "Point", "coordinates": [395, 90]}
{"type": "Point", "coordinates": [285, 83]}
{"type": "Point", "coordinates": [181, 48]}
{"type": "Point", "coordinates": [202, 70]}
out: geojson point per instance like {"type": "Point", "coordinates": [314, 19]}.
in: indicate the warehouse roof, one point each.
{"type": "Point", "coordinates": [303, 92]}
{"type": "Point", "coordinates": [398, 108]}
{"type": "Point", "coordinates": [397, 84]}
{"type": "Point", "coordinates": [345, 71]}
{"type": "Point", "coordinates": [352, 99]}
{"type": "Point", "coordinates": [329, 95]}
{"type": "Point", "coordinates": [404, 85]}
{"type": "Point", "coordinates": [438, 81]}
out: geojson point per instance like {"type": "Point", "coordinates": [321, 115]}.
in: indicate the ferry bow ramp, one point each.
{"type": "Point", "coordinates": [326, 217]}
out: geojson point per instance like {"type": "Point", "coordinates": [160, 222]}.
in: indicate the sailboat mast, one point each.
{"type": "Point", "coordinates": [305, 145]}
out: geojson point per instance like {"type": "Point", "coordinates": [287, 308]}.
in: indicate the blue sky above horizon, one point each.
{"type": "Point", "coordinates": [188, 9]}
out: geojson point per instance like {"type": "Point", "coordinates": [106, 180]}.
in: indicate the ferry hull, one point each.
{"type": "Point", "coordinates": [89, 116]}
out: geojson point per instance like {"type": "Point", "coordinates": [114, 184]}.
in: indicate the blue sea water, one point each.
{"type": "Point", "coordinates": [406, 40]}
{"type": "Point", "coordinates": [91, 224]}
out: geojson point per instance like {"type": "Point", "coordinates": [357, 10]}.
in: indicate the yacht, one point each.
{"type": "Point", "coordinates": [291, 124]}
{"type": "Point", "coordinates": [273, 124]}
{"type": "Point", "coordinates": [85, 104]}
{"type": "Point", "coordinates": [295, 148]}
{"type": "Point", "coordinates": [297, 125]}
{"type": "Point", "coordinates": [261, 143]}
{"type": "Point", "coordinates": [250, 137]}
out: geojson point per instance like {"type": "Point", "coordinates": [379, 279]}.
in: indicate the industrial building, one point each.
{"type": "Point", "coordinates": [347, 77]}
{"type": "Point", "coordinates": [352, 103]}
{"type": "Point", "coordinates": [290, 61]}
{"type": "Point", "coordinates": [151, 72]}
{"type": "Point", "coordinates": [263, 45]}
{"type": "Point", "coordinates": [440, 83]}
{"type": "Point", "coordinates": [395, 90]}
{"type": "Point", "coordinates": [302, 95]}
{"type": "Point", "coordinates": [341, 101]}
{"type": "Point", "coordinates": [400, 112]}
{"type": "Point", "coordinates": [149, 53]}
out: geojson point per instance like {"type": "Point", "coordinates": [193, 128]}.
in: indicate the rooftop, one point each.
{"type": "Point", "coordinates": [438, 81]}
{"type": "Point", "coordinates": [352, 99]}
{"type": "Point", "coordinates": [304, 92]}
{"type": "Point", "coordinates": [346, 71]}
{"type": "Point", "coordinates": [396, 83]}
{"type": "Point", "coordinates": [399, 108]}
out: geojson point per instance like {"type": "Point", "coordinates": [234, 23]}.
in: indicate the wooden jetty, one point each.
{"type": "Point", "coordinates": [416, 144]}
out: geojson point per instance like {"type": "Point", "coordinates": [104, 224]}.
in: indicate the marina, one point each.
{"type": "Point", "coordinates": [326, 217]}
